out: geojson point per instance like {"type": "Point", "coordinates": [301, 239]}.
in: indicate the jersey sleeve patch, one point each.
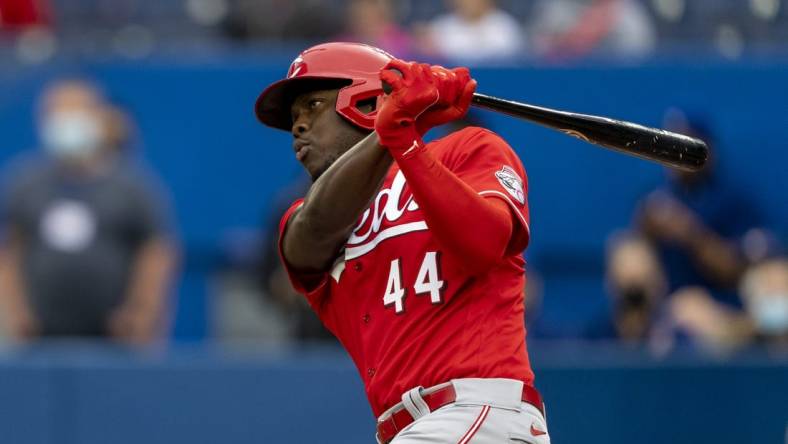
{"type": "Point", "coordinates": [511, 182]}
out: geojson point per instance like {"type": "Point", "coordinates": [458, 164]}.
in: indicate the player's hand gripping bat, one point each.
{"type": "Point", "coordinates": [665, 147]}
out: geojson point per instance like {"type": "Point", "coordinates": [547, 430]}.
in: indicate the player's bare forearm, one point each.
{"type": "Point", "coordinates": [13, 301]}
{"type": "Point", "coordinates": [140, 318]}
{"type": "Point", "coordinates": [720, 261]}
{"type": "Point", "coordinates": [317, 231]}
{"type": "Point", "coordinates": [153, 270]}
{"type": "Point", "coordinates": [447, 202]}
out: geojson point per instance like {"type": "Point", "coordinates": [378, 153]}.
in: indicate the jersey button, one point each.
{"type": "Point", "coordinates": [357, 266]}
{"type": "Point", "coordinates": [366, 318]}
{"type": "Point", "coordinates": [371, 372]}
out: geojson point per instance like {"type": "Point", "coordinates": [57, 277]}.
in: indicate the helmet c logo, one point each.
{"type": "Point", "coordinates": [296, 67]}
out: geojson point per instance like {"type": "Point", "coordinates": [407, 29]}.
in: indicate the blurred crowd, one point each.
{"type": "Point", "coordinates": [697, 267]}
{"type": "Point", "coordinates": [463, 31]}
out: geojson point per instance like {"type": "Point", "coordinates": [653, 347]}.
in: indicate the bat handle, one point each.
{"type": "Point", "coordinates": [387, 88]}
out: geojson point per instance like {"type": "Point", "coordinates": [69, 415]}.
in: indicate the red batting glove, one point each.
{"type": "Point", "coordinates": [414, 91]}
{"type": "Point", "coordinates": [456, 88]}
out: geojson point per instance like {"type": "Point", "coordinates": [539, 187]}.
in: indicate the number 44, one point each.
{"type": "Point", "coordinates": [427, 281]}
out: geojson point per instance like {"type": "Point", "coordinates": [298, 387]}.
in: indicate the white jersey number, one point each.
{"type": "Point", "coordinates": [394, 291]}
{"type": "Point", "coordinates": [427, 282]}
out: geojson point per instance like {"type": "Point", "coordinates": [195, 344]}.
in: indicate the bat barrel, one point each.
{"type": "Point", "coordinates": [668, 148]}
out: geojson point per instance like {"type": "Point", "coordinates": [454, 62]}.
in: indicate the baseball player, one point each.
{"type": "Point", "coordinates": [410, 252]}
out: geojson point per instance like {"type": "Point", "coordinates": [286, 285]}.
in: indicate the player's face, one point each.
{"type": "Point", "coordinates": [320, 134]}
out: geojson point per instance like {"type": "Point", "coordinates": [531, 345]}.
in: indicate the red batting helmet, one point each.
{"type": "Point", "coordinates": [355, 63]}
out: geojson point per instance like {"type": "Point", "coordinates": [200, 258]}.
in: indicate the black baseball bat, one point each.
{"type": "Point", "coordinates": [665, 147]}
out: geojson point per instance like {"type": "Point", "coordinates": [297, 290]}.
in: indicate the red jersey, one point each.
{"type": "Point", "coordinates": [407, 314]}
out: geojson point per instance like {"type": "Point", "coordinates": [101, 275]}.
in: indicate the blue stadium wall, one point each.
{"type": "Point", "coordinates": [594, 395]}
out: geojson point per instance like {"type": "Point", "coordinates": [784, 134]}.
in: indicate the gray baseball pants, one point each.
{"type": "Point", "coordinates": [487, 411]}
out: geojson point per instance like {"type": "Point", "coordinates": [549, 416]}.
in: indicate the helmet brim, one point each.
{"type": "Point", "coordinates": [273, 105]}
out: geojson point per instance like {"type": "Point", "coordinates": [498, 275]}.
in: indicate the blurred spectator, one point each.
{"type": "Point", "coordinates": [474, 31]}
{"type": "Point", "coordinates": [637, 286]}
{"type": "Point", "coordinates": [372, 22]}
{"type": "Point", "coordinates": [688, 243]}
{"type": "Point", "coordinates": [86, 248]}
{"type": "Point", "coordinates": [720, 328]}
{"type": "Point", "coordinates": [697, 221]}
{"type": "Point", "coordinates": [566, 29]}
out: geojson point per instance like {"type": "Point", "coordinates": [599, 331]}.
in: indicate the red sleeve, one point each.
{"type": "Point", "coordinates": [448, 178]}
{"type": "Point", "coordinates": [484, 161]}
{"type": "Point", "coordinates": [313, 286]}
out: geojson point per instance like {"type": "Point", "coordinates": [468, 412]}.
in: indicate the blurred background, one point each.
{"type": "Point", "coordinates": [140, 295]}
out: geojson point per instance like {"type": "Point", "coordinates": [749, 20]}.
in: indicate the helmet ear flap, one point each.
{"type": "Point", "coordinates": [350, 103]}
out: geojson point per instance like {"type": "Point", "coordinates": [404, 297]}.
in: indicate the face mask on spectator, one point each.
{"type": "Point", "coordinates": [770, 313]}
{"type": "Point", "coordinates": [632, 299]}
{"type": "Point", "coordinates": [71, 134]}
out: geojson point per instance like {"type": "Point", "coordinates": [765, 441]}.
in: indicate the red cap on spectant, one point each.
{"type": "Point", "coordinates": [356, 64]}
